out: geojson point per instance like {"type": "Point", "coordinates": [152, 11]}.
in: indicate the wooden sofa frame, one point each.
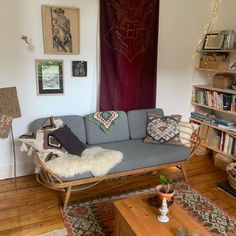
{"type": "Point", "coordinates": [50, 180]}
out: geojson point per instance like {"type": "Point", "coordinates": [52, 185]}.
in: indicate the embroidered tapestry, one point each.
{"type": "Point", "coordinates": [128, 31]}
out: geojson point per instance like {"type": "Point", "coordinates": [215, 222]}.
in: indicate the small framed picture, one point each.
{"type": "Point", "coordinates": [213, 41]}
{"type": "Point", "coordinates": [49, 77]}
{"type": "Point", "coordinates": [60, 30]}
{"type": "Point", "coordinates": [79, 68]}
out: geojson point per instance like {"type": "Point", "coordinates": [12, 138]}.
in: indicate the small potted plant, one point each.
{"type": "Point", "coordinates": [165, 189]}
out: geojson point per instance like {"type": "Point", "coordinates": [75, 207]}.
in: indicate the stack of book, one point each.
{"type": "Point", "coordinates": [199, 115]}
{"type": "Point", "coordinates": [228, 144]}
{"type": "Point", "coordinates": [224, 123]}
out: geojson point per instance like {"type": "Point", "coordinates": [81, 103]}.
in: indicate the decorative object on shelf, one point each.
{"type": "Point", "coordinates": [79, 68]}
{"type": "Point", "coordinates": [60, 30]}
{"type": "Point", "coordinates": [165, 189]}
{"type": "Point", "coordinates": [229, 39]}
{"type": "Point", "coordinates": [164, 211]}
{"type": "Point", "coordinates": [213, 41]}
{"type": "Point", "coordinates": [223, 80]}
{"type": "Point", "coordinates": [30, 46]}
{"type": "Point", "coordinates": [49, 77]}
{"type": "Point", "coordinates": [234, 85]}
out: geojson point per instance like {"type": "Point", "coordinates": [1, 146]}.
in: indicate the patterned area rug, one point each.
{"type": "Point", "coordinates": [96, 217]}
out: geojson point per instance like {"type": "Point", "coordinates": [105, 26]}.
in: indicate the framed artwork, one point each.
{"type": "Point", "coordinates": [213, 41]}
{"type": "Point", "coordinates": [79, 68]}
{"type": "Point", "coordinates": [60, 30]}
{"type": "Point", "coordinates": [49, 77]}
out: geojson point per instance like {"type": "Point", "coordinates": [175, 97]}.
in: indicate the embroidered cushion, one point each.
{"type": "Point", "coordinates": [186, 130]}
{"type": "Point", "coordinates": [105, 120]}
{"type": "Point", "coordinates": [163, 130]}
{"type": "Point", "coordinates": [68, 140]}
{"type": "Point", "coordinates": [42, 141]}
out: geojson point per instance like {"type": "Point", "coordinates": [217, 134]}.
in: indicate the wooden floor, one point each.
{"type": "Point", "coordinates": [32, 209]}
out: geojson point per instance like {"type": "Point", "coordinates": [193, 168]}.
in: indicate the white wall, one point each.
{"type": "Point", "coordinates": [181, 25]}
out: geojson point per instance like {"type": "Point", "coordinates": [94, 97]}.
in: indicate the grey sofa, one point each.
{"type": "Point", "coordinates": [126, 136]}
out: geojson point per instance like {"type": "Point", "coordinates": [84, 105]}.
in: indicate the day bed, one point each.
{"type": "Point", "coordinates": [127, 137]}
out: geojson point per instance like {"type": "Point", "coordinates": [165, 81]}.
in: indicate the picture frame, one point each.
{"type": "Point", "coordinates": [60, 29]}
{"type": "Point", "coordinates": [213, 41]}
{"type": "Point", "coordinates": [49, 77]}
{"type": "Point", "coordinates": [79, 68]}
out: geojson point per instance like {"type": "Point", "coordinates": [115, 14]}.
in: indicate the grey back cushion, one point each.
{"type": "Point", "coordinates": [137, 120]}
{"type": "Point", "coordinates": [74, 122]}
{"type": "Point", "coordinates": [118, 132]}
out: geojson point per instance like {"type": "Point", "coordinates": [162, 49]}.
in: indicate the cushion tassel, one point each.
{"type": "Point", "coordinates": [23, 148]}
{"type": "Point", "coordinates": [30, 152]}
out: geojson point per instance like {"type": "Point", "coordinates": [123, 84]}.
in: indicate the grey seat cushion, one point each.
{"type": "Point", "coordinates": [137, 120]}
{"type": "Point", "coordinates": [95, 135]}
{"type": "Point", "coordinates": [138, 154]}
{"type": "Point", "coordinates": [74, 122]}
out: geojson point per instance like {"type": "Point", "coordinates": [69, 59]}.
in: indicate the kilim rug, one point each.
{"type": "Point", "coordinates": [96, 217]}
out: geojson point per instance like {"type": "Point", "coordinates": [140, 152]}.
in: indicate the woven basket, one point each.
{"type": "Point", "coordinates": [231, 171]}
{"type": "Point", "coordinates": [222, 161]}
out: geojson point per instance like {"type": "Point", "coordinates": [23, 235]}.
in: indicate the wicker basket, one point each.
{"type": "Point", "coordinates": [223, 81]}
{"type": "Point", "coordinates": [222, 161]}
{"type": "Point", "coordinates": [231, 171]}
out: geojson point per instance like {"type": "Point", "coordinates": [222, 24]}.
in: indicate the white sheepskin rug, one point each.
{"type": "Point", "coordinates": [95, 159]}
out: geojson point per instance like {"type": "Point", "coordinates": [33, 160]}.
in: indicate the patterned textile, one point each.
{"type": "Point", "coordinates": [186, 130]}
{"type": "Point", "coordinates": [96, 217]}
{"type": "Point", "coordinates": [42, 141]}
{"type": "Point", "coordinates": [105, 120]}
{"type": "Point", "coordinates": [216, 221]}
{"type": "Point", "coordinates": [162, 129]}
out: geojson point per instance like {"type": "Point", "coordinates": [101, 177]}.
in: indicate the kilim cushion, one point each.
{"type": "Point", "coordinates": [42, 141]}
{"type": "Point", "coordinates": [105, 120]}
{"type": "Point", "coordinates": [162, 129]}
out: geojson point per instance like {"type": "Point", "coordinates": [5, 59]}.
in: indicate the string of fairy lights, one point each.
{"type": "Point", "coordinates": [208, 28]}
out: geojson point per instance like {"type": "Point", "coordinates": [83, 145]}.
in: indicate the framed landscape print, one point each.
{"type": "Point", "coordinates": [49, 77]}
{"type": "Point", "coordinates": [60, 30]}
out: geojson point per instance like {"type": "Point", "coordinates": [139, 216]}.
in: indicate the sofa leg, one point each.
{"type": "Point", "coordinates": [184, 173]}
{"type": "Point", "coordinates": [68, 191]}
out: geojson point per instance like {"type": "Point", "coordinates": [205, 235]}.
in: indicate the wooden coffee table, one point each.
{"type": "Point", "coordinates": [135, 216]}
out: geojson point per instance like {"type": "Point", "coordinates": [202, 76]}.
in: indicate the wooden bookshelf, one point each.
{"type": "Point", "coordinates": [216, 100]}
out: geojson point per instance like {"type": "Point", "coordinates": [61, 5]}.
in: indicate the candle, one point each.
{"type": "Point", "coordinates": [164, 202]}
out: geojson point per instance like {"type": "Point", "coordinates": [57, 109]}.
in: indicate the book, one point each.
{"type": "Point", "coordinates": [224, 122]}
{"type": "Point", "coordinates": [227, 98]}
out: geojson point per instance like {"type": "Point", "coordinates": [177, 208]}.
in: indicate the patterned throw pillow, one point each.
{"type": "Point", "coordinates": [42, 141]}
{"type": "Point", "coordinates": [162, 130]}
{"type": "Point", "coordinates": [186, 130]}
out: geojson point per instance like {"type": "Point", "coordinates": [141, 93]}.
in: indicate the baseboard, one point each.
{"type": "Point", "coordinates": [22, 169]}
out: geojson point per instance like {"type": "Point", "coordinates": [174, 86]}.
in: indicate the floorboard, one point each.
{"type": "Point", "coordinates": [31, 209]}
